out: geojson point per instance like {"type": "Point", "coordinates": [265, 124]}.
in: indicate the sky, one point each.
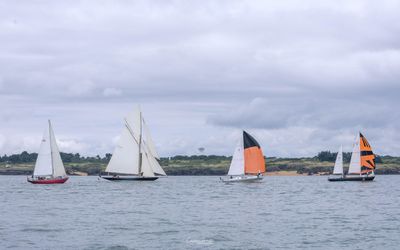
{"type": "Point", "coordinates": [300, 76]}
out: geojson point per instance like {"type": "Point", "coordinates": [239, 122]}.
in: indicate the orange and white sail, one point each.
{"type": "Point", "coordinates": [248, 158]}
{"type": "Point", "coordinates": [362, 159]}
{"type": "Point", "coordinates": [367, 156]}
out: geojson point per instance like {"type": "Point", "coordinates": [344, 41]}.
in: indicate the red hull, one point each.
{"type": "Point", "coordinates": [51, 181]}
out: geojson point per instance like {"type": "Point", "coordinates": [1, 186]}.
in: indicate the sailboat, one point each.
{"type": "Point", "coordinates": [338, 168]}
{"type": "Point", "coordinates": [135, 157]}
{"type": "Point", "coordinates": [49, 168]}
{"type": "Point", "coordinates": [362, 162]}
{"type": "Point", "coordinates": [248, 163]}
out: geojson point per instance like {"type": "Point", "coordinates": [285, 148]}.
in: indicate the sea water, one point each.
{"type": "Point", "coordinates": [200, 213]}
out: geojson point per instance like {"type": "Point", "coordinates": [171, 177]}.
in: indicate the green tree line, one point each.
{"type": "Point", "coordinates": [26, 157]}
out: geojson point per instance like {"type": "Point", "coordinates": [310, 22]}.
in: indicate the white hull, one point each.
{"type": "Point", "coordinates": [245, 178]}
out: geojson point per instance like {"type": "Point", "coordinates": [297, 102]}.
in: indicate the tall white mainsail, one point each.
{"type": "Point", "coordinates": [135, 153]}
{"type": "Point", "coordinates": [126, 153]}
{"type": "Point", "coordinates": [237, 163]}
{"type": "Point", "coordinates": [338, 169]}
{"type": "Point", "coordinates": [43, 165]}
{"type": "Point", "coordinates": [355, 162]}
{"type": "Point", "coordinates": [49, 160]}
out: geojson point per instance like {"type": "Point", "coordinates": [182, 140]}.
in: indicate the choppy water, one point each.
{"type": "Point", "coordinates": [200, 213]}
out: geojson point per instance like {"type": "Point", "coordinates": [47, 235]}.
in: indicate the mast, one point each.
{"type": "Point", "coordinates": [140, 144]}
{"type": "Point", "coordinates": [51, 150]}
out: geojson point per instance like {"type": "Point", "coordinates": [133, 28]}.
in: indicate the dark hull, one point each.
{"type": "Point", "coordinates": [128, 178]}
{"type": "Point", "coordinates": [352, 178]}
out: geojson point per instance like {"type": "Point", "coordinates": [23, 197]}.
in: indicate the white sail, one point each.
{"type": "Point", "coordinates": [43, 165]}
{"type": "Point", "coordinates": [355, 162]}
{"type": "Point", "coordinates": [237, 163]}
{"type": "Point", "coordinates": [338, 169]}
{"type": "Point", "coordinates": [58, 166]}
{"type": "Point", "coordinates": [134, 119]}
{"type": "Point", "coordinates": [147, 169]}
{"type": "Point", "coordinates": [155, 166]}
{"type": "Point", "coordinates": [149, 141]}
{"type": "Point", "coordinates": [125, 159]}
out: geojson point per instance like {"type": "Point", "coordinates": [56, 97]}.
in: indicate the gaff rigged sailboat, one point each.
{"type": "Point", "coordinates": [135, 157]}
{"type": "Point", "coordinates": [49, 168]}
{"type": "Point", "coordinates": [362, 163]}
{"type": "Point", "coordinates": [248, 163]}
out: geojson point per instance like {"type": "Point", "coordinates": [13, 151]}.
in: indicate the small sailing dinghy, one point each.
{"type": "Point", "coordinates": [49, 168]}
{"type": "Point", "coordinates": [135, 157]}
{"type": "Point", "coordinates": [248, 163]}
{"type": "Point", "coordinates": [362, 162]}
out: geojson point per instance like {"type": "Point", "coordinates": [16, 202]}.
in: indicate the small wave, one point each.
{"type": "Point", "coordinates": [40, 230]}
{"type": "Point", "coordinates": [161, 232]}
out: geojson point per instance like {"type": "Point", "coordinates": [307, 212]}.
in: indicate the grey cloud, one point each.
{"type": "Point", "coordinates": [283, 67]}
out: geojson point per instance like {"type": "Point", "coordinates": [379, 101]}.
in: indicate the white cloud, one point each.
{"type": "Point", "coordinates": [71, 146]}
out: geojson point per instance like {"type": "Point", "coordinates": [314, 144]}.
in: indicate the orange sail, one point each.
{"type": "Point", "coordinates": [254, 162]}
{"type": "Point", "coordinates": [367, 156]}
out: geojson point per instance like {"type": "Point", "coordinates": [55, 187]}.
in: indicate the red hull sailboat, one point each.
{"type": "Point", "coordinates": [49, 181]}
{"type": "Point", "coordinates": [49, 168]}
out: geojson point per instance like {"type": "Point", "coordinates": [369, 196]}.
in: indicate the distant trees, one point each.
{"type": "Point", "coordinates": [200, 157]}
{"type": "Point", "coordinates": [326, 156]}
{"type": "Point", "coordinates": [23, 157]}
{"type": "Point", "coordinates": [26, 157]}
{"type": "Point", "coordinates": [331, 157]}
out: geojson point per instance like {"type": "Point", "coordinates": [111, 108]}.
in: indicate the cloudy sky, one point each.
{"type": "Point", "coordinates": [301, 76]}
